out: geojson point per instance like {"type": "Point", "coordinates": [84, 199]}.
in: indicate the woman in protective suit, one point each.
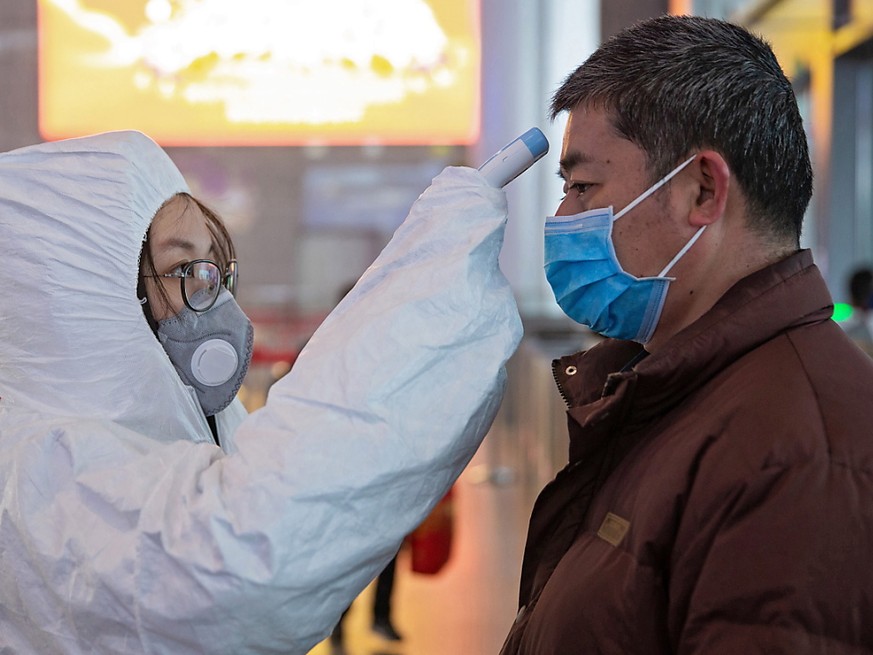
{"type": "Point", "coordinates": [124, 527]}
{"type": "Point", "coordinates": [188, 275]}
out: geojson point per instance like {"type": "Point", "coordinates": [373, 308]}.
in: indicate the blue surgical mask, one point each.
{"type": "Point", "coordinates": [589, 282]}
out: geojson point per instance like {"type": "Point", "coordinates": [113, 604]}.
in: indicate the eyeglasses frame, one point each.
{"type": "Point", "coordinates": [229, 280]}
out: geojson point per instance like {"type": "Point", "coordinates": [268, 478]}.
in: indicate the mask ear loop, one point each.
{"type": "Point", "coordinates": [685, 249]}
{"type": "Point", "coordinates": [146, 306]}
{"type": "Point", "coordinates": [657, 185]}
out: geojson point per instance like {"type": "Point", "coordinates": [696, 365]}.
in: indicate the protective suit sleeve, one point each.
{"type": "Point", "coordinates": [382, 410]}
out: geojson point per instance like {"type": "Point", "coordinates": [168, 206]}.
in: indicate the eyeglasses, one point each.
{"type": "Point", "coordinates": [201, 281]}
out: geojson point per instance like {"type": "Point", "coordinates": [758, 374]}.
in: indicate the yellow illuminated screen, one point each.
{"type": "Point", "coordinates": [261, 72]}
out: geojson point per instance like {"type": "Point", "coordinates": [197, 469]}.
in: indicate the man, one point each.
{"type": "Point", "coordinates": [719, 494]}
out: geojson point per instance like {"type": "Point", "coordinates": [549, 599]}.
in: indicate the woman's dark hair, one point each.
{"type": "Point", "coordinates": [224, 251]}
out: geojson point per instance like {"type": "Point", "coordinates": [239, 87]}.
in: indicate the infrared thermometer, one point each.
{"type": "Point", "coordinates": [515, 158]}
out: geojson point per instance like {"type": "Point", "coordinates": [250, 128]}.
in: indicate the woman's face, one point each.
{"type": "Point", "coordinates": [179, 234]}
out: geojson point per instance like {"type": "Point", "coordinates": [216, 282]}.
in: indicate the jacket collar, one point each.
{"type": "Point", "coordinates": [602, 396]}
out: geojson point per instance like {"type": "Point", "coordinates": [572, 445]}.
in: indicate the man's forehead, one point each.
{"type": "Point", "coordinates": [582, 154]}
{"type": "Point", "coordinates": [591, 139]}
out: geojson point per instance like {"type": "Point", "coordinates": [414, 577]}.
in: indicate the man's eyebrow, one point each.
{"type": "Point", "coordinates": [571, 160]}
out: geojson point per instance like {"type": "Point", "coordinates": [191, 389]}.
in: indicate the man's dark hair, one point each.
{"type": "Point", "coordinates": [676, 84]}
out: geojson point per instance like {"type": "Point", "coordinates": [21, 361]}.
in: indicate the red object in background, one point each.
{"type": "Point", "coordinates": [431, 542]}
{"type": "Point", "coordinates": [280, 334]}
{"type": "Point", "coordinates": [266, 356]}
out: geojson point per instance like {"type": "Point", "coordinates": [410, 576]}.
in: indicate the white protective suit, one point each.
{"type": "Point", "coordinates": [123, 528]}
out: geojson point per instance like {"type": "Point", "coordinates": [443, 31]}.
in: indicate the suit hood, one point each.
{"type": "Point", "coordinates": [73, 338]}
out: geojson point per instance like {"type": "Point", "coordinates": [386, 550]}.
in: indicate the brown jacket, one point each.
{"type": "Point", "coordinates": [719, 495]}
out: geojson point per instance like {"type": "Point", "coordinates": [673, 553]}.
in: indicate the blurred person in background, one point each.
{"type": "Point", "coordinates": [142, 510]}
{"type": "Point", "coordinates": [719, 491]}
{"type": "Point", "coordinates": [859, 325]}
{"type": "Point", "coordinates": [381, 623]}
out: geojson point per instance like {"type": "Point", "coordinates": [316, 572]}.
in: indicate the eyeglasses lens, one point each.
{"type": "Point", "coordinates": [202, 283]}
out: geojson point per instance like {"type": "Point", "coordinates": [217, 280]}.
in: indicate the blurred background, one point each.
{"type": "Point", "coordinates": [312, 125]}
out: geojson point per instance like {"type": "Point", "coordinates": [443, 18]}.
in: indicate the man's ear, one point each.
{"type": "Point", "coordinates": [713, 178]}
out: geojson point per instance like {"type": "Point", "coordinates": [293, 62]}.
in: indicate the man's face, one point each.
{"type": "Point", "coordinates": [601, 168]}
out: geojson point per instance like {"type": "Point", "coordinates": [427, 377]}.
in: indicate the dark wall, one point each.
{"type": "Point", "coordinates": [615, 15]}
{"type": "Point", "coordinates": [18, 92]}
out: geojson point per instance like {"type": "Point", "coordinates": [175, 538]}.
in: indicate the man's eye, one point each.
{"type": "Point", "coordinates": [579, 188]}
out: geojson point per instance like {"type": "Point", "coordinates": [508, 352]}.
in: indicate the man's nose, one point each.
{"type": "Point", "coordinates": [568, 207]}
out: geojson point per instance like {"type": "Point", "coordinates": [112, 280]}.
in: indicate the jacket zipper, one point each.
{"type": "Point", "coordinates": [558, 384]}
